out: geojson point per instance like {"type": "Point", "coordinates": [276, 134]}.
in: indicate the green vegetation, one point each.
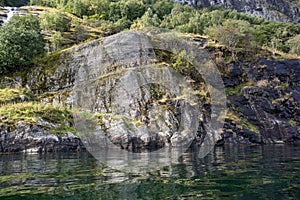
{"type": "Point", "coordinates": [294, 44]}
{"type": "Point", "coordinates": [233, 34]}
{"type": "Point", "coordinates": [20, 105]}
{"type": "Point", "coordinates": [241, 121]}
{"type": "Point", "coordinates": [237, 90]}
{"type": "Point", "coordinates": [29, 112]}
{"type": "Point", "coordinates": [238, 32]}
{"type": "Point", "coordinates": [13, 3]}
{"type": "Point", "coordinates": [148, 20]}
{"type": "Point", "coordinates": [69, 22]}
{"type": "Point", "coordinates": [20, 41]}
{"type": "Point", "coordinates": [56, 41]}
{"type": "Point", "coordinates": [276, 34]}
{"type": "Point", "coordinates": [56, 20]}
{"type": "Point", "coordinates": [8, 95]}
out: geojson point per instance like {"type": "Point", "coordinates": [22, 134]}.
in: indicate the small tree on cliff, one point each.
{"type": "Point", "coordinates": [294, 44]}
{"type": "Point", "coordinates": [56, 41]}
{"type": "Point", "coordinates": [56, 20]}
{"type": "Point", "coordinates": [20, 41]}
{"type": "Point", "coordinates": [232, 34]}
{"type": "Point", "coordinates": [147, 20]}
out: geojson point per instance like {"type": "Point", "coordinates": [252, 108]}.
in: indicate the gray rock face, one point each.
{"type": "Point", "coordinates": [271, 104]}
{"type": "Point", "coordinates": [276, 10]}
{"type": "Point", "coordinates": [136, 112]}
{"type": "Point", "coordinates": [141, 104]}
{"type": "Point", "coordinates": [139, 100]}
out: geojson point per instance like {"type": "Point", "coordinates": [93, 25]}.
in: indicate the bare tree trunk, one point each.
{"type": "Point", "coordinates": [273, 48]}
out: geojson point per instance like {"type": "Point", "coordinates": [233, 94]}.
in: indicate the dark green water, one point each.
{"type": "Point", "coordinates": [257, 172]}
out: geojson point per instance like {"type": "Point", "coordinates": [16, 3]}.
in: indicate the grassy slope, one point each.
{"type": "Point", "coordinates": [20, 105]}
{"type": "Point", "coordinates": [69, 36]}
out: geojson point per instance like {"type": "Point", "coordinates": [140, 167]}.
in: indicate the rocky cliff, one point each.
{"type": "Point", "coordinates": [276, 10]}
{"type": "Point", "coordinates": [140, 101]}
{"type": "Point", "coordinates": [120, 79]}
{"type": "Point", "coordinates": [264, 99]}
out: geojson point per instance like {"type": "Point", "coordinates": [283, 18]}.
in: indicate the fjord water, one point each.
{"type": "Point", "coordinates": [230, 172]}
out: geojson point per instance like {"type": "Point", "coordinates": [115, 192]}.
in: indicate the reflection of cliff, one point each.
{"type": "Point", "coordinates": [277, 10]}
{"type": "Point", "coordinates": [247, 172]}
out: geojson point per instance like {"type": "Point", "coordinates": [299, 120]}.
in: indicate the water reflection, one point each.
{"type": "Point", "coordinates": [232, 172]}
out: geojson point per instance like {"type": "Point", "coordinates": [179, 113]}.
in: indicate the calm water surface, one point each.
{"type": "Point", "coordinates": [256, 172]}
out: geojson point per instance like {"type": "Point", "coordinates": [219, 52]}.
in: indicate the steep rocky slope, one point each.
{"type": "Point", "coordinates": [140, 101]}
{"type": "Point", "coordinates": [277, 10]}
{"type": "Point", "coordinates": [108, 77]}
{"type": "Point", "coordinates": [264, 99]}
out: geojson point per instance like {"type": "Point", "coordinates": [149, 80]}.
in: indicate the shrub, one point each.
{"type": "Point", "coordinates": [20, 41]}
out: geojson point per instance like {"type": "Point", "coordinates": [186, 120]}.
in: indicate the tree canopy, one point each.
{"type": "Point", "coordinates": [236, 31]}
{"type": "Point", "coordinates": [232, 34]}
{"type": "Point", "coordinates": [13, 3]}
{"type": "Point", "coordinates": [20, 41]}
